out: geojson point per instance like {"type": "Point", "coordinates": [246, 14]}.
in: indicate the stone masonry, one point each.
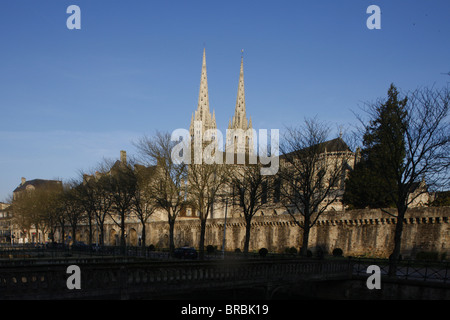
{"type": "Point", "coordinates": [356, 232]}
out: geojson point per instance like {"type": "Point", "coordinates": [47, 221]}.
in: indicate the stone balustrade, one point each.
{"type": "Point", "coordinates": [148, 279]}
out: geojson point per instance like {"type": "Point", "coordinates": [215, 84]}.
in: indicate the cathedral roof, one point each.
{"type": "Point", "coordinates": [335, 145]}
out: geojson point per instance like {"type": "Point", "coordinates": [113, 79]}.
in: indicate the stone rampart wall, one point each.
{"type": "Point", "coordinates": [356, 232]}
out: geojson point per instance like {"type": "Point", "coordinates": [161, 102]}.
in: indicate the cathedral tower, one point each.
{"type": "Point", "coordinates": [202, 119]}
{"type": "Point", "coordinates": [240, 131]}
{"type": "Point", "coordinates": [203, 126]}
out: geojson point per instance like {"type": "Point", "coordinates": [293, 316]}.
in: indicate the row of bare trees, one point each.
{"type": "Point", "coordinates": [117, 190]}
{"type": "Point", "coordinates": [114, 192]}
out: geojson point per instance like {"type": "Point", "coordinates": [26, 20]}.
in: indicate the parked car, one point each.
{"type": "Point", "coordinates": [56, 246]}
{"type": "Point", "coordinates": [80, 245]}
{"type": "Point", "coordinates": [185, 253]}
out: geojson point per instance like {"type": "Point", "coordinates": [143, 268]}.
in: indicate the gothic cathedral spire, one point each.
{"type": "Point", "coordinates": [239, 120]}
{"type": "Point", "coordinates": [202, 113]}
{"type": "Point", "coordinates": [239, 131]}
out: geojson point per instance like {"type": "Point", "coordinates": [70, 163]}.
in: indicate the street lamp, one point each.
{"type": "Point", "coordinates": [224, 229]}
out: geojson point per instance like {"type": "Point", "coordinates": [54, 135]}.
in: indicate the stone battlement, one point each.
{"type": "Point", "coordinates": [357, 232]}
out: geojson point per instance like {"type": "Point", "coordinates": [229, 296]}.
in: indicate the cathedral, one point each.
{"type": "Point", "coordinates": [240, 140]}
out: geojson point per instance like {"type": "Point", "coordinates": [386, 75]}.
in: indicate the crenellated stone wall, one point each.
{"type": "Point", "coordinates": [356, 232]}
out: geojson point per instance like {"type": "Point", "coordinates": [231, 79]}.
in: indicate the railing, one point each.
{"type": "Point", "coordinates": [132, 276]}
{"type": "Point", "coordinates": [414, 270]}
{"type": "Point", "coordinates": [407, 269]}
{"type": "Point", "coordinates": [107, 278]}
{"type": "Point", "coordinates": [30, 251]}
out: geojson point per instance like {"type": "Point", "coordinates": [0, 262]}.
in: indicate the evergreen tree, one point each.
{"type": "Point", "coordinates": [373, 180]}
{"type": "Point", "coordinates": [408, 141]}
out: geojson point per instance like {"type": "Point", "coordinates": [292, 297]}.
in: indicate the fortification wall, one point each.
{"type": "Point", "coordinates": [356, 232]}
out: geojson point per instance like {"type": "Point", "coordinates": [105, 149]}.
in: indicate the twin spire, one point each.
{"type": "Point", "coordinates": [238, 121]}
{"type": "Point", "coordinates": [202, 113]}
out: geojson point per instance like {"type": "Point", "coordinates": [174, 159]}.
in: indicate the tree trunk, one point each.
{"type": "Point", "coordinates": [74, 233]}
{"type": "Point", "coordinates": [90, 228]}
{"type": "Point", "coordinates": [305, 237]}
{"type": "Point", "coordinates": [395, 255]}
{"type": "Point", "coordinates": [37, 233]}
{"type": "Point", "coordinates": [101, 240]}
{"type": "Point", "coordinates": [171, 236]}
{"type": "Point", "coordinates": [122, 235]}
{"type": "Point", "coordinates": [201, 246]}
{"type": "Point", "coordinates": [53, 233]}
{"type": "Point", "coordinates": [63, 234]}
{"type": "Point", "coordinates": [248, 227]}
{"type": "Point", "coordinates": [144, 235]}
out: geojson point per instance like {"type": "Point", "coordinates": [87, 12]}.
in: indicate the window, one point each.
{"type": "Point", "coordinates": [277, 190]}
{"type": "Point", "coordinates": [264, 192]}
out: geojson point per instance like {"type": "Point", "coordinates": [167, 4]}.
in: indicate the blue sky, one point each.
{"type": "Point", "coordinates": [69, 98]}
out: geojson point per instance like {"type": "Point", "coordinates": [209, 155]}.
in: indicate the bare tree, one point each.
{"type": "Point", "coordinates": [86, 200]}
{"type": "Point", "coordinates": [36, 208]}
{"type": "Point", "coordinates": [143, 202]}
{"type": "Point", "coordinates": [312, 172]}
{"type": "Point", "coordinates": [22, 206]}
{"type": "Point", "coordinates": [250, 191]}
{"type": "Point", "coordinates": [168, 186]}
{"type": "Point", "coordinates": [20, 218]}
{"type": "Point", "coordinates": [205, 186]}
{"type": "Point", "coordinates": [39, 212]}
{"type": "Point", "coordinates": [123, 188]}
{"type": "Point", "coordinates": [72, 209]}
{"type": "Point", "coordinates": [53, 211]}
{"type": "Point", "coordinates": [61, 218]}
{"type": "Point", "coordinates": [102, 193]}
{"type": "Point", "coordinates": [96, 195]}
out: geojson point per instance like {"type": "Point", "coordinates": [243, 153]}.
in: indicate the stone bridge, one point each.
{"type": "Point", "coordinates": [114, 278]}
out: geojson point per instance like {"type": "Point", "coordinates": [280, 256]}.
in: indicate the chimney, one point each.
{"type": "Point", "coordinates": [23, 181]}
{"type": "Point", "coordinates": [123, 157]}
